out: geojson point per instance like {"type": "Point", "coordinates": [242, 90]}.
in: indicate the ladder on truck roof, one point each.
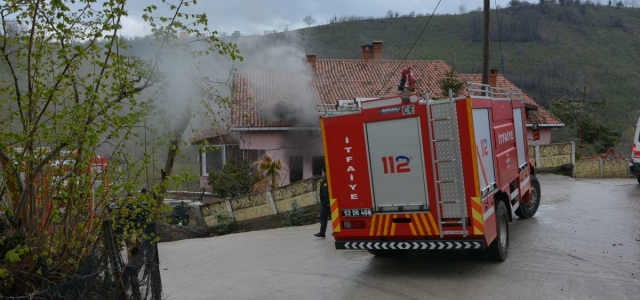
{"type": "Point", "coordinates": [447, 165]}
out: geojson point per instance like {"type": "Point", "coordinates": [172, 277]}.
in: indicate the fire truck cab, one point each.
{"type": "Point", "coordinates": [411, 173]}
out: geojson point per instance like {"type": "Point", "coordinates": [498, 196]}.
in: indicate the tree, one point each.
{"type": "Point", "coordinates": [453, 82]}
{"type": "Point", "coordinates": [72, 91]}
{"type": "Point", "coordinates": [462, 9]}
{"type": "Point", "coordinates": [580, 115]}
{"type": "Point", "coordinates": [389, 14]}
{"type": "Point", "coordinates": [309, 20]}
{"type": "Point", "coordinates": [270, 172]}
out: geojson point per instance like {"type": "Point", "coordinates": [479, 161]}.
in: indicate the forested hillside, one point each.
{"type": "Point", "coordinates": [547, 49]}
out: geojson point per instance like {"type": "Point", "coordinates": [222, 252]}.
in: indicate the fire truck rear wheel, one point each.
{"type": "Point", "coordinates": [499, 249]}
{"type": "Point", "coordinates": [528, 209]}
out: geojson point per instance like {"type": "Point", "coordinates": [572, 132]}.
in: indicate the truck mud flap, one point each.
{"type": "Point", "coordinates": [411, 245]}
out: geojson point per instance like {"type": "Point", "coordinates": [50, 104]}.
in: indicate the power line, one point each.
{"type": "Point", "coordinates": [414, 44]}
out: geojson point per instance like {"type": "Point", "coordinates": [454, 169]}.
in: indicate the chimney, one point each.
{"type": "Point", "coordinates": [312, 59]}
{"type": "Point", "coordinates": [377, 49]}
{"type": "Point", "coordinates": [373, 51]}
{"type": "Point", "coordinates": [367, 52]}
{"type": "Point", "coordinates": [493, 77]}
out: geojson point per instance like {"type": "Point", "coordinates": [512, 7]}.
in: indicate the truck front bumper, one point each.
{"type": "Point", "coordinates": [411, 245]}
{"type": "Point", "coordinates": [634, 168]}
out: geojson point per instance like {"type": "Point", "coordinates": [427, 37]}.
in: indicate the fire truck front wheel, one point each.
{"type": "Point", "coordinates": [499, 249]}
{"type": "Point", "coordinates": [528, 209]}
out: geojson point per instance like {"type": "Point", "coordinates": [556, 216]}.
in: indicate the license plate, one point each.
{"type": "Point", "coordinates": [360, 212]}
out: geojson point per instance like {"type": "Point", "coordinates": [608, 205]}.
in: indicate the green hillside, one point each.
{"type": "Point", "coordinates": [546, 49]}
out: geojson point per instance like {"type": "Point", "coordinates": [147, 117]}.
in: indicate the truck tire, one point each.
{"type": "Point", "coordinates": [499, 248]}
{"type": "Point", "coordinates": [475, 254]}
{"type": "Point", "coordinates": [638, 179]}
{"type": "Point", "coordinates": [528, 209]}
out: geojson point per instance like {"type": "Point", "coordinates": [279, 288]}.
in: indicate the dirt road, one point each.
{"type": "Point", "coordinates": [584, 243]}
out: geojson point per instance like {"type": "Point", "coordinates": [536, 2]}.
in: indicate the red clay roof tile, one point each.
{"type": "Point", "coordinates": [341, 79]}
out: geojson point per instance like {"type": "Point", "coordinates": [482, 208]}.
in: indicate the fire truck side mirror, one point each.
{"type": "Point", "coordinates": [536, 132]}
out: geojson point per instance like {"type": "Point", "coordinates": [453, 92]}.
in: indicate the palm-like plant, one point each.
{"type": "Point", "coordinates": [269, 170]}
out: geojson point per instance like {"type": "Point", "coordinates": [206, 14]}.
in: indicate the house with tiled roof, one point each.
{"type": "Point", "coordinates": [277, 112]}
{"type": "Point", "coordinates": [536, 114]}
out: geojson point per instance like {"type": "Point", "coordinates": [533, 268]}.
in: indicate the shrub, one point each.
{"type": "Point", "coordinates": [294, 216]}
{"type": "Point", "coordinates": [222, 220]}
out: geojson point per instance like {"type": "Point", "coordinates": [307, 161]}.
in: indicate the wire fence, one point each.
{"type": "Point", "coordinates": [106, 275]}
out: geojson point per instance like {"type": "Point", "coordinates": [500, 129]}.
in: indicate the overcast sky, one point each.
{"type": "Point", "coordinates": [256, 16]}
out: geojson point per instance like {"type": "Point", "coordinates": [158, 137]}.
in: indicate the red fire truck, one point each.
{"type": "Point", "coordinates": [410, 173]}
{"type": "Point", "coordinates": [50, 181]}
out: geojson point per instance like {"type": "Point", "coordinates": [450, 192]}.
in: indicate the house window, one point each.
{"type": "Point", "coordinates": [253, 155]}
{"type": "Point", "coordinates": [214, 159]}
{"type": "Point", "coordinates": [218, 156]}
{"type": "Point", "coordinates": [295, 168]}
{"type": "Point", "coordinates": [317, 164]}
{"type": "Point", "coordinates": [233, 152]}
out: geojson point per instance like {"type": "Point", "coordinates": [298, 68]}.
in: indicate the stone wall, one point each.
{"type": "Point", "coordinates": [600, 168]}
{"type": "Point", "coordinates": [552, 155]}
{"type": "Point", "coordinates": [265, 206]}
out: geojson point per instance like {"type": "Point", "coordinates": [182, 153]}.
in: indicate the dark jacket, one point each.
{"type": "Point", "coordinates": [324, 192]}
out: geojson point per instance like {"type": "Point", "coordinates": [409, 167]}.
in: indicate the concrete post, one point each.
{"type": "Point", "coordinates": [538, 163]}
{"type": "Point", "coordinates": [273, 203]}
{"type": "Point", "coordinates": [315, 191]}
{"type": "Point", "coordinates": [229, 209]}
{"type": "Point", "coordinates": [315, 197]}
{"type": "Point", "coordinates": [601, 168]}
{"type": "Point", "coordinates": [573, 158]}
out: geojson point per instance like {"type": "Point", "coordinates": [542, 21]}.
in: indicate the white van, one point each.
{"type": "Point", "coordinates": [634, 167]}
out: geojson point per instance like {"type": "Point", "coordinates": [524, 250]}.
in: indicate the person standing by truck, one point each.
{"type": "Point", "coordinates": [324, 204]}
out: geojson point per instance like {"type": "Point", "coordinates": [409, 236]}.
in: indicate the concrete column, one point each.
{"type": "Point", "coordinates": [273, 203]}
{"type": "Point", "coordinates": [224, 155]}
{"type": "Point", "coordinates": [601, 168]}
{"type": "Point", "coordinates": [203, 165]}
{"type": "Point", "coordinates": [573, 158]}
{"type": "Point", "coordinates": [538, 163]}
{"type": "Point", "coordinates": [229, 210]}
{"type": "Point", "coordinates": [315, 197]}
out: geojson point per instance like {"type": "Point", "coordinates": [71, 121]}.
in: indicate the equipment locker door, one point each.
{"type": "Point", "coordinates": [520, 136]}
{"type": "Point", "coordinates": [484, 151]}
{"type": "Point", "coordinates": [396, 164]}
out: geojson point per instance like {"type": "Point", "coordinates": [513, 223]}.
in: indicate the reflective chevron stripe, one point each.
{"type": "Point", "coordinates": [478, 219]}
{"type": "Point", "coordinates": [410, 245]}
{"type": "Point", "coordinates": [335, 215]}
{"type": "Point", "coordinates": [421, 224]}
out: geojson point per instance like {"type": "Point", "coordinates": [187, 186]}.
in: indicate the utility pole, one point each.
{"type": "Point", "coordinates": [485, 44]}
